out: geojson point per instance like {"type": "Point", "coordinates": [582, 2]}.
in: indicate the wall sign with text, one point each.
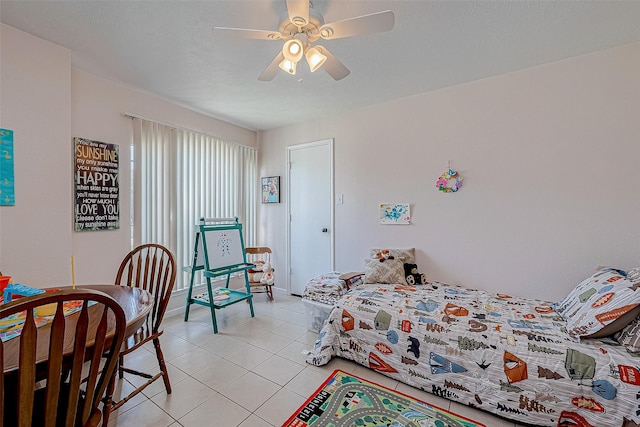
{"type": "Point", "coordinates": [97, 189]}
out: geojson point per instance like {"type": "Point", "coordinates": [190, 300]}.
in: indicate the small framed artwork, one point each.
{"type": "Point", "coordinates": [398, 213]}
{"type": "Point", "coordinates": [271, 189]}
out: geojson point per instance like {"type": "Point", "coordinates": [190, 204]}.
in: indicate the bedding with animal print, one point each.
{"type": "Point", "coordinates": [506, 355]}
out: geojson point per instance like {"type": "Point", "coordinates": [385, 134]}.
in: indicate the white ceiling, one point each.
{"type": "Point", "coordinates": [168, 48]}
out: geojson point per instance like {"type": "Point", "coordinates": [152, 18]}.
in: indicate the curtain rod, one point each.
{"type": "Point", "coordinates": [176, 127]}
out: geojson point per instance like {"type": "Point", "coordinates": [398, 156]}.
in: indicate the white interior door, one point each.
{"type": "Point", "coordinates": [310, 212]}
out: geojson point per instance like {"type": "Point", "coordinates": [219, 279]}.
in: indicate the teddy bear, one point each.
{"type": "Point", "coordinates": [267, 277]}
{"type": "Point", "coordinates": [263, 273]}
{"type": "Point", "coordinates": [412, 275]}
{"type": "Point", "coordinates": [384, 255]}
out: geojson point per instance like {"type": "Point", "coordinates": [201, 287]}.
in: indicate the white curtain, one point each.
{"type": "Point", "coordinates": [182, 175]}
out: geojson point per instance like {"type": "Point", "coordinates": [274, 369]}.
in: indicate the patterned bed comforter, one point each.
{"type": "Point", "coordinates": [325, 289]}
{"type": "Point", "coordinates": [506, 355]}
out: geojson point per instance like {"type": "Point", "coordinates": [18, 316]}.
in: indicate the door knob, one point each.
{"type": "Point", "coordinates": [324, 230]}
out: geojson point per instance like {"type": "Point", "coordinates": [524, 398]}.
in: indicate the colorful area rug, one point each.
{"type": "Point", "coordinates": [346, 400]}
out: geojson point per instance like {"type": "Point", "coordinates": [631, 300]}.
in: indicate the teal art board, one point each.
{"type": "Point", "coordinates": [7, 176]}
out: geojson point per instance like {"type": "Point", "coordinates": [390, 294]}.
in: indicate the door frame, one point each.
{"type": "Point", "coordinates": [290, 148]}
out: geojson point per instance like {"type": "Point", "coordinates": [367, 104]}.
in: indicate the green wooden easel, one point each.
{"type": "Point", "coordinates": [218, 252]}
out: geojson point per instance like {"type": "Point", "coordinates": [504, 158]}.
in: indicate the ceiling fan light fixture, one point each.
{"type": "Point", "coordinates": [292, 50]}
{"type": "Point", "coordinates": [288, 66]}
{"type": "Point", "coordinates": [326, 32]}
{"type": "Point", "coordinates": [315, 58]}
{"type": "Point", "coordinates": [299, 21]}
{"type": "Point", "coordinates": [300, 27]}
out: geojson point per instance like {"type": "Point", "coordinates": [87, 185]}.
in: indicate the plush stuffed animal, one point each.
{"type": "Point", "coordinates": [263, 273]}
{"type": "Point", "coordinates": [384, 255]}
{"type": "Point", "coordinates": [412, 275]}
{"type": "Point", "coordinates": [267, 276]}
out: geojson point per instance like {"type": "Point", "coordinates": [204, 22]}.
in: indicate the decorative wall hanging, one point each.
{"type": "Point", "coordinates": [450, 181]}
{"type": "Point", "coordinates": [271, 189]}
{"type": "Point", "coordinates": [97, 187]}
{"type": "Point", "coordinates": [7, 189]}
{"type": "Point", "coordinates": [399, 213]}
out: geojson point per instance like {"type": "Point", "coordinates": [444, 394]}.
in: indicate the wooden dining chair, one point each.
{"type": "Point", "coordinates": [258, 282]}
{"type": "Point", "coordinates": [151, 267]}
{"type": "Point", "coordinates": [64, 385]}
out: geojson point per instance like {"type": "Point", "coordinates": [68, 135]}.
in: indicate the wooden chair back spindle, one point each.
{"type": "Point", "coordinates": [150, 267]}
{"type": "Point", "coordinates": [66, 389]}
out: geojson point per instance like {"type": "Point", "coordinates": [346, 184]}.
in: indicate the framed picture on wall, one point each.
{"type": "Point", "coordinates": [271, 189]}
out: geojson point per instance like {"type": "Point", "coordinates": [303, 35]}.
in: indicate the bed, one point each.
{"type": "Point", "coordinates": [517, 358]}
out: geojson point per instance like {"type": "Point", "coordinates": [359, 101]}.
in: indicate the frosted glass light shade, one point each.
{"type": "Point", "coordinates": [315, 58]}
{"type": "Point", "coordinates": [292, 50]}
{"type": "Point", "coordinates": [288, 66]}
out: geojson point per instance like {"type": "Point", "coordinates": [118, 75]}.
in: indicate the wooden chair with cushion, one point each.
{"type": "Point", "coordinates": [259, 279]}
{"type": "Point", "coordinates": [151, 267]}
{"type": "Point", "coordinates": [58, 379]}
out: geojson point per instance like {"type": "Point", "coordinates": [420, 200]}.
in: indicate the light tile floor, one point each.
{"type": "Point", "coordinates": [251, 374]}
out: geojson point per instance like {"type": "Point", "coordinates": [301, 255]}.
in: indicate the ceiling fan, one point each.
{"type": "Point", "coordinates": [300, 28]}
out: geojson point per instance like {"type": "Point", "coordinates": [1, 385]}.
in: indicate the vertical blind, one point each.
{"type": "Point", "coordinates": [180, 176]}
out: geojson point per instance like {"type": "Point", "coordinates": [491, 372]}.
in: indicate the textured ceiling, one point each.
{"type": "Point", "coordinates": [168, 48]}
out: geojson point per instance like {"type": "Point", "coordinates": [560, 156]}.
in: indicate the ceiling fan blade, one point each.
{"type": "Point", "coordinates": [298, 11]}
{"type": "Point", "coordinates": [365, 24]}
{"type": "Point", "coordinates": [272, 69]}
{"type": "Point", "coordinates": [245, 33]}
{"type": "Point", "coordinates": [333, 67]}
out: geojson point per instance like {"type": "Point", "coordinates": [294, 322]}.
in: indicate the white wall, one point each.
{"type": "Point", "coordinates": [47, 103]}
{"type": "Point", "coordinates": [536, 148]}
{"type": "Point", "coordinates": [97, 113]}
{"type": "Point", "coordinates": [549, 157]}
{"type": "Point", "coordinates": [35, 234]}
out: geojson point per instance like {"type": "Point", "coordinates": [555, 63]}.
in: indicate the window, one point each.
{"type": "Point", "coordinates": [180, 176]}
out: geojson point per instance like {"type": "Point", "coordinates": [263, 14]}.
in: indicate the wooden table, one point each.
{"type": "Point", "coordinates": [136, 303]}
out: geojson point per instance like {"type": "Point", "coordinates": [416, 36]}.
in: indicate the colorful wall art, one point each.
{"type": "Point", "coordinates": [7, 177]}
{"type": "Point", "coordinates": [399, 213]}
{"type": "Point", "coordinates": [271, 189]}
